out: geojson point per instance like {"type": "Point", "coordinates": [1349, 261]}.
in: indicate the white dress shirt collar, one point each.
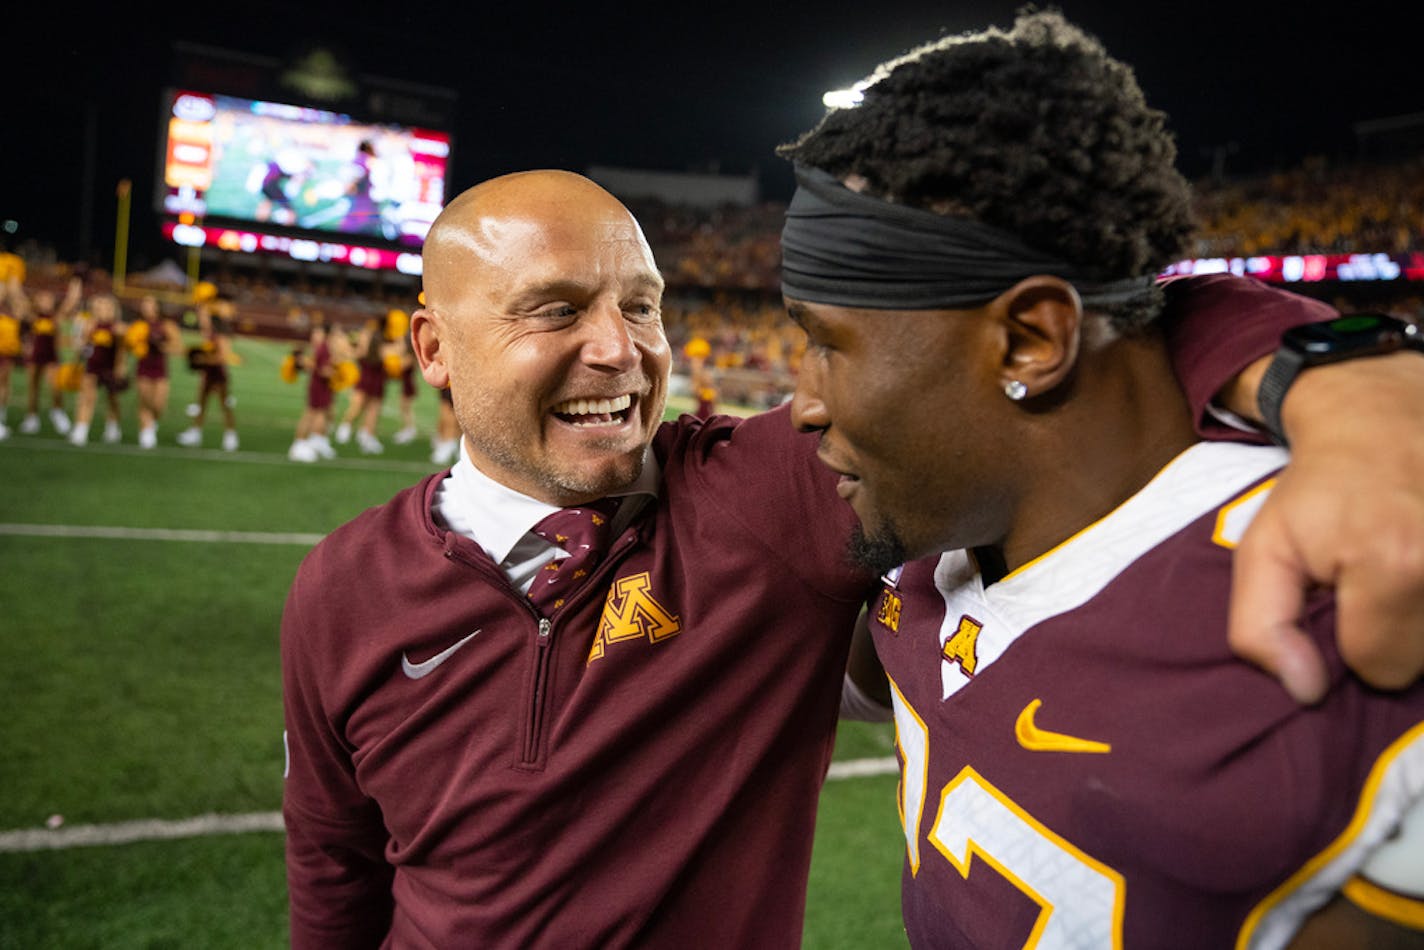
{"type": "Point", "coordinates": [497, 517]}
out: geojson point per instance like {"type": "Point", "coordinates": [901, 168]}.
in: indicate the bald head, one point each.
{"type": "Point", "coordinates": [475, 236]}
{"type": "Point", "coordinates": [543, 316]}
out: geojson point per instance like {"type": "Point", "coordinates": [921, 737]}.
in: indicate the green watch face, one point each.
{"type": "Point", "coordinates": [1354, 333]}
{"type": "Point", "coordinates": [1355, 322]}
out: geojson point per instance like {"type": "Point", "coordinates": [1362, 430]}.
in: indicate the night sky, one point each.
{"type": "Point", "coordinates": [669, 87]}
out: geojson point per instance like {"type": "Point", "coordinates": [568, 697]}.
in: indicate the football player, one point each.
{"type": "Point", "coordinates": [1084, 762]}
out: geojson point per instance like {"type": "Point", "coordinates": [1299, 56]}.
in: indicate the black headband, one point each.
{"type": "Point", "coordinates": [846, 249]}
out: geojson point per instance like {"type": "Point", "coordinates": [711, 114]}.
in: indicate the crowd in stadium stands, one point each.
{"type": "Point", "coordinates": [1315, 208]}
{"type": "Point", "coordinates": [719, 249]}
{"type": "Point", "coordinates": [722, 268]}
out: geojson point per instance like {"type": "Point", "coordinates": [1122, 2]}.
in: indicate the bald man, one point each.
{"type": "Point", "coordinates": [637, 766]}
{"type": "Point", "coordinates": [638, 761]}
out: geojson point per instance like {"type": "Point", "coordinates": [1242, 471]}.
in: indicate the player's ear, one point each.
{"type": "Point", "coordinates": [1043, 320]}
{"type": "Point", "coordinates": [427, 342]}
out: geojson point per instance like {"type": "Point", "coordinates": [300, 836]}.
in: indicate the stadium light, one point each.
{"type": "Point", "coordinates": [843, 98]}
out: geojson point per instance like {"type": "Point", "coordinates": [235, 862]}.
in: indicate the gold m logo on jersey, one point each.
{"type": "Point", "coordinates": [631, 613]}
{"type": "Point", "coordinates": [961, 647]}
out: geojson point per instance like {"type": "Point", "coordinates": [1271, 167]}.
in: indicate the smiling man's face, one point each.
{"type": "Point", "coordinates": [544, 316]}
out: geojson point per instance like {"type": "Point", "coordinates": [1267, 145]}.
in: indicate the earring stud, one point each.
{"type": "Point", "coordinates": [1015, 390]}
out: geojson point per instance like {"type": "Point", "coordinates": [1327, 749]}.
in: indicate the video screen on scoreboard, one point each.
{"type": "Point", "coordinates": [290, 166]}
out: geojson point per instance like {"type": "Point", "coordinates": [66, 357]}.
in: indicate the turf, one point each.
{"type": "Point", "coordinates": [140, 680]}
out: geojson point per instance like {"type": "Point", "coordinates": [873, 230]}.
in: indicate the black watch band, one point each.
{"type": "Point", "coordinates": [1330, 341]}
{"type": "Point", "coordinates": [1284, 367]}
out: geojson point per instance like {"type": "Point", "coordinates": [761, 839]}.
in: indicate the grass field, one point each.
{"type": "Point", "coordinates": [140, 593]}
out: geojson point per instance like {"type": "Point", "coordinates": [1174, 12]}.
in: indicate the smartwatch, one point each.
{"type": "Point", "coordinates": [1330, 341]}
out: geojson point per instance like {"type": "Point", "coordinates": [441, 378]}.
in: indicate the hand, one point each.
{"type": "Point", "coordinates": [1347, 512]}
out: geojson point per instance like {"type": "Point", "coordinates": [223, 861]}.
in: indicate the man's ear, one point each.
{"type": "Point", "coordinates": [427, 343]}
{"type": "Point", "coordinates": [1043, 321]}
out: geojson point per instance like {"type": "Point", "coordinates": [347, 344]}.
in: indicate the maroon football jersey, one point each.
{"type": "Point", "coordinates": [1086, 764]}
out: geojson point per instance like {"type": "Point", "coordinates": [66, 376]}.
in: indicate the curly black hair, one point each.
{"type": "Point", "coordinates": [1035, 130]}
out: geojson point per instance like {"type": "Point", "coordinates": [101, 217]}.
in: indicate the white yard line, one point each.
{"type": "Point", "coordinates": [860, 768]}
{"type": "Point", "coordinates": [154, 829]}
{"type": "Point", "coordinates": [126, 832]}
{"type": "Point", "coordinates": [38, 444]}
{"type": "Point", "coordinates": [158, 534]}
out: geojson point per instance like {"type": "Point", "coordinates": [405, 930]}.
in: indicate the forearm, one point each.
{"type": "Point", "coordinates": [1221, 332]}
{"type": "Point", "coordinates": [337, 896]}
{"type": "Point", "coordinates": [865, 695]}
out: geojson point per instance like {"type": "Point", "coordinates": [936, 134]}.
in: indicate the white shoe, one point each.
{"type": "Point", "coordinates": [190, 437]}
{"type": "Point", "coordinates": [193, 410]}
{"type": "Point", "coordinates": [112, 432]}
{"type": "Point", "coordinates": [321, 445]}
{"type": "Point", "coordinates": [148, 437]}
{"type": "Point", "coordinates": [230, 440]}
{"type": "Point", "coordinates": [79, 434]}
{"type": "Point", "coordinates": [59, 420]}
{"type": "Point", "coordinates": [404, 435]}
{"type": "Point", "coordinates": [343, 433]}
{"type": "Point", "coordinates": [302, 452]}
{"type": "Point", "coordinates": [4, 432]}
{"type": "Point", "coordinates": [444, 452]}
{"type": "Point", "coordinates": [29, 425]}
{"type": "Point", "coordinates": [370, 445]}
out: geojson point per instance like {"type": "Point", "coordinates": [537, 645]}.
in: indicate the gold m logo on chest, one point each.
{"type": "Point", "coordinates": [632, 613]}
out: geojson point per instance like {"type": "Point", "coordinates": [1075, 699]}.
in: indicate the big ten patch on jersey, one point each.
{"type": "Point", "coordinates": [885, 612]}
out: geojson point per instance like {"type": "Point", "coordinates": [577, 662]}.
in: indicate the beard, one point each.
{"type": "Point", "coordinates": [879, 553]}
{"type": "Point", "coordinates": [491, 437]}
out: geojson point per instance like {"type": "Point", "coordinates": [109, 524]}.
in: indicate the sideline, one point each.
{"type": "Point", "coordinates": [364, 463]}
{"type": "Point", "coordinates": [153, 829]}
{"type": "Point", "coordinates": [157, 534]}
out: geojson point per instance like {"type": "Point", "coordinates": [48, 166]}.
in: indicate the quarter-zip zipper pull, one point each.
{"type": "Point", "coordinates": [534, 724]}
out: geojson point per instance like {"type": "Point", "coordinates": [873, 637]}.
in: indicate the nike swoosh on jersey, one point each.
{"type": "Point", "coordinates": [1035, 739]}
{"type": "Point", "coordinates": [425, 667]}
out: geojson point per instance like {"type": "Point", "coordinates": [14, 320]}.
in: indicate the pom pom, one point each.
{"type": "Point", "coordinates": [68, 376]}
{"type": "Point", "coordinates": [136, 339]}
{"type": "Point", "coordinates": [344, 375]}
{"type": "Point", "coordinates": [397, 323]}
{"type": "Point", "coordinates": [9, 335]}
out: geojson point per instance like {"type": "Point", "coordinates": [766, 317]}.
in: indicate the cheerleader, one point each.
{"type": "Point", "coordinates": [323, 365]}
{"type": "Point", "coordinates": [211, 359]}
{"type": "Point", "coordinates": [446, 443]}
{"type": "Point", "coordinates": [104, 368]}
{"type": "Point", "coordinates": [379, 360]}
{"type": "Point", "coordinates": [41, 319]}
{"type": "Point", "coordinates": [11, 352]}
{"type": "Point", "coordinates": [402, 357]}
{"type": "Point", "coordinates": [152, 339]}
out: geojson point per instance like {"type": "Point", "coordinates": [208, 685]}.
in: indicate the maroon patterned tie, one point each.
{"type": "Point", "coordinates": [583, 532]}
